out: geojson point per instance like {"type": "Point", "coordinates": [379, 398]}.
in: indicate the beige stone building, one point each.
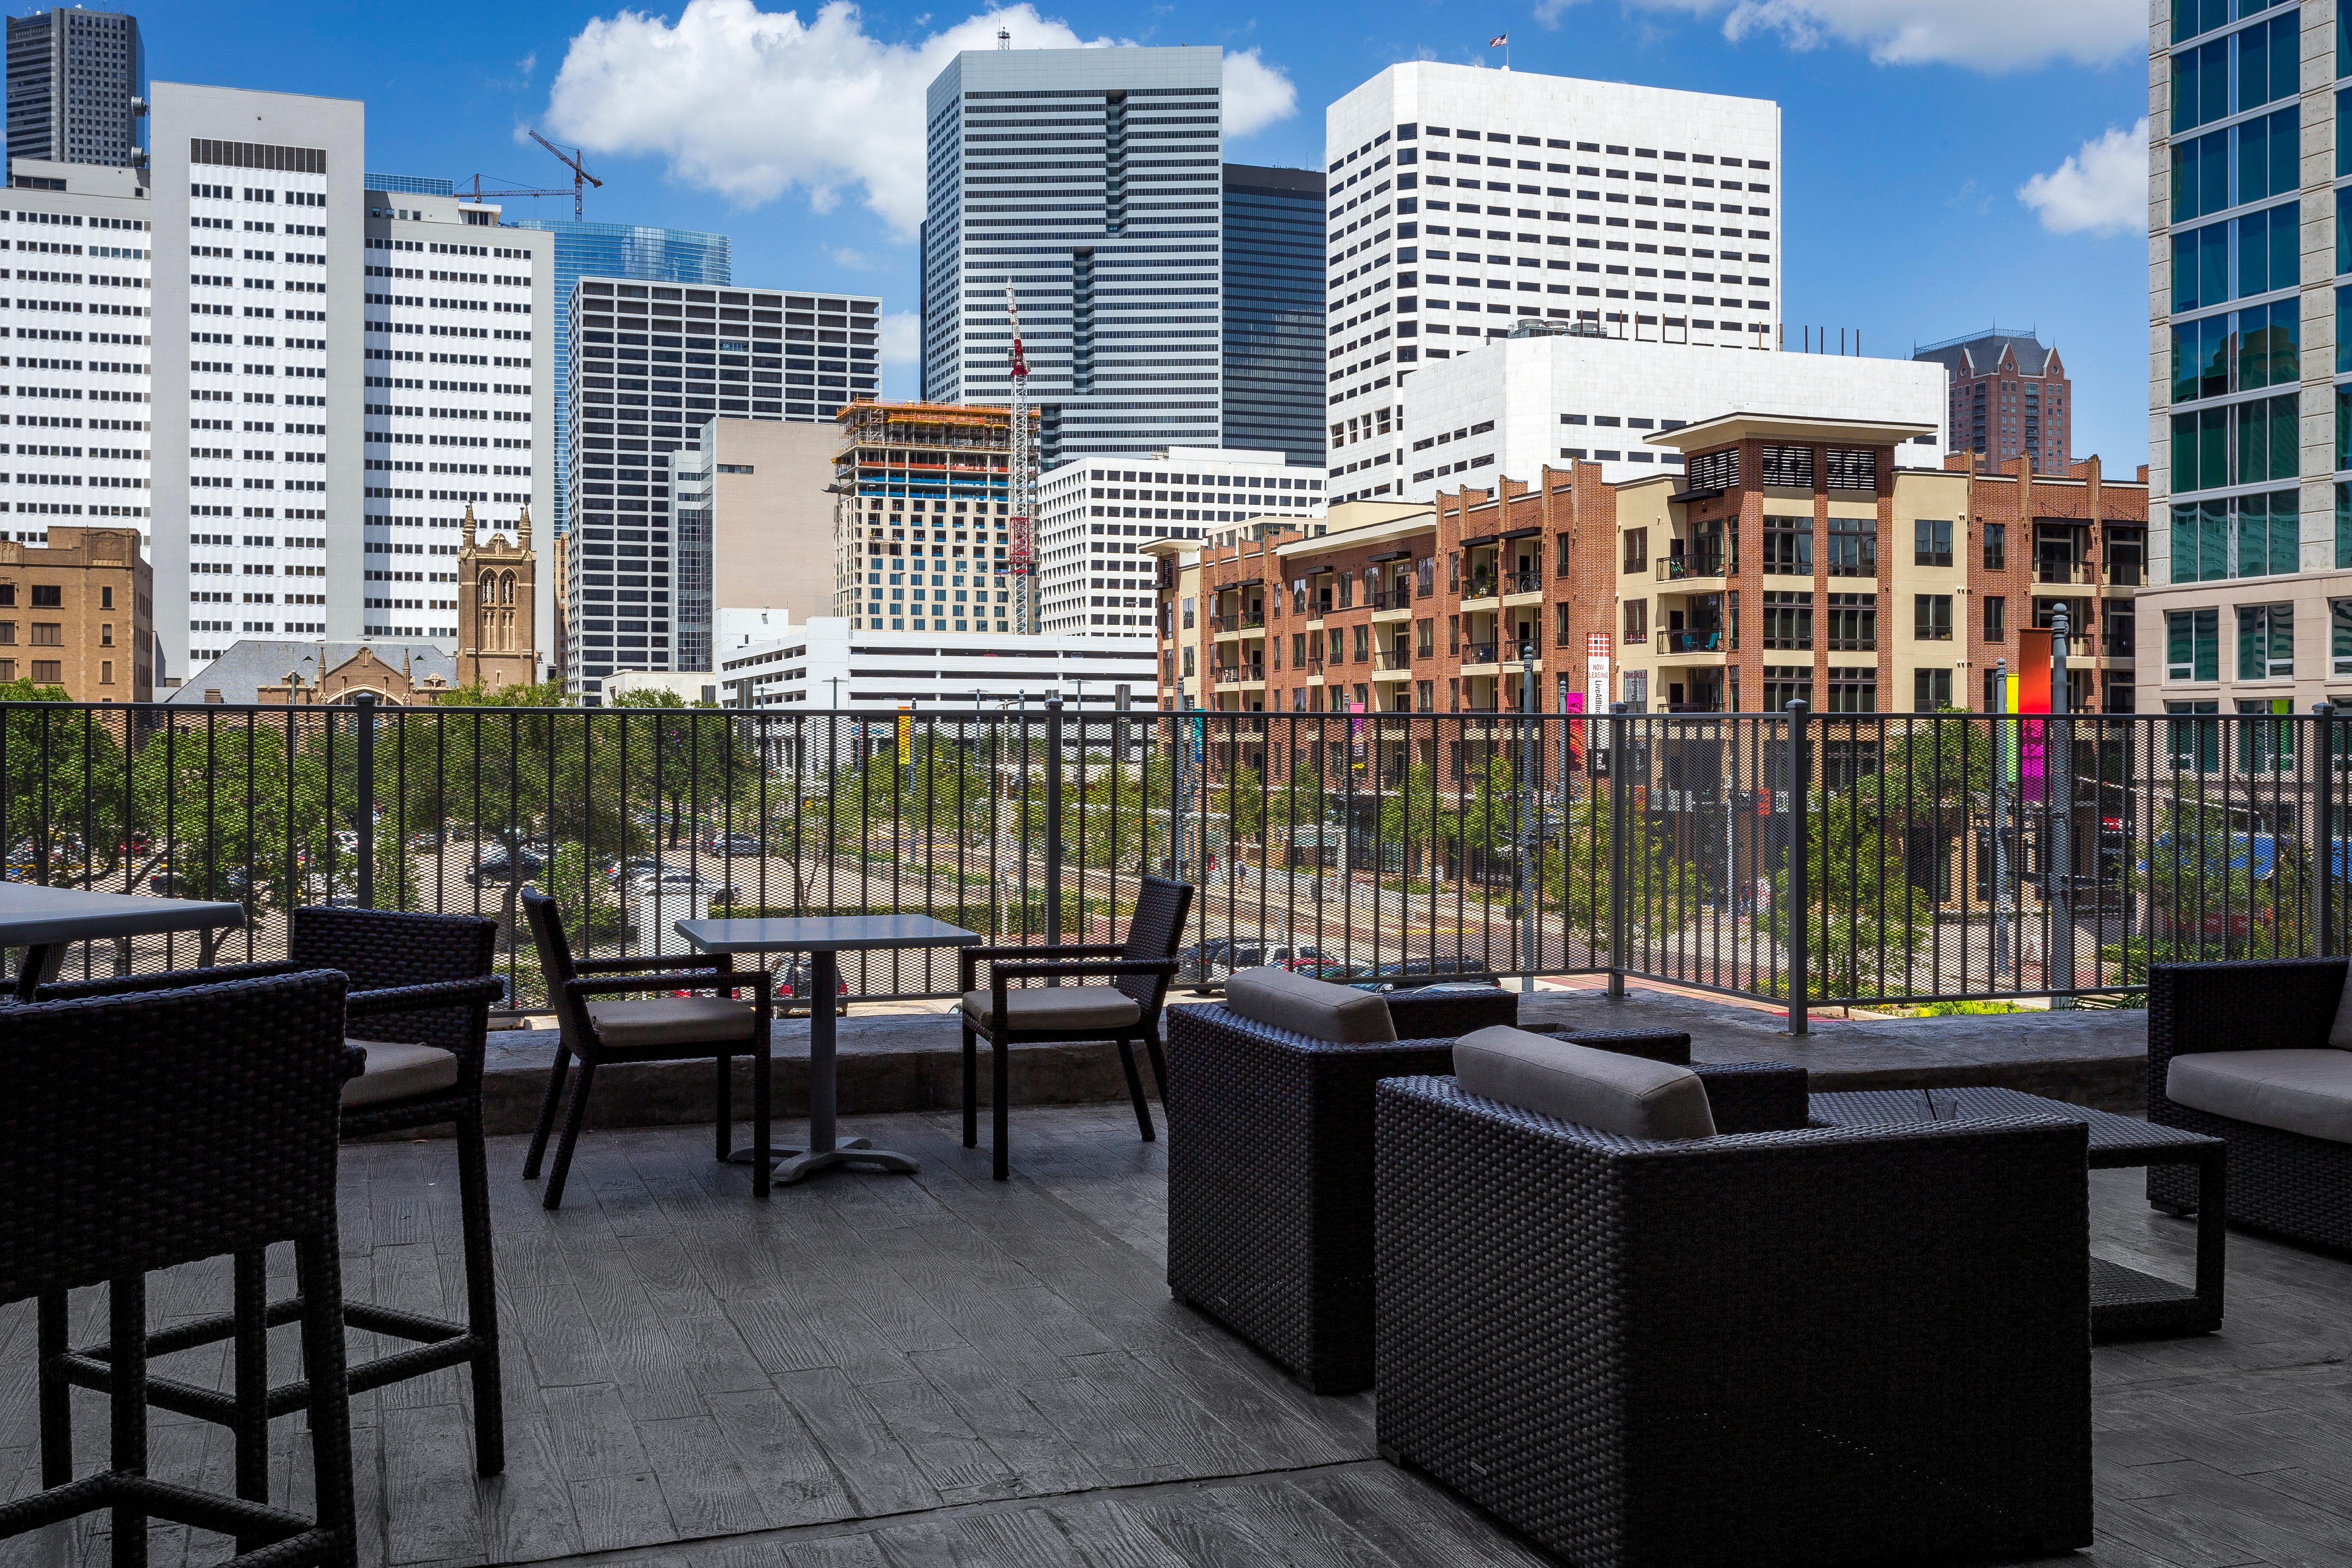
{"type": "Point", "coordinates": [498, 603]}
{"type": "Point", "coordinates": [754, 526]}
{"type": "Point", "coordinates": [79, 613]}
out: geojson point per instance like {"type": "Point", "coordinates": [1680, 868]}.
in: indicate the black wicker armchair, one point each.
{"type": "Point", "coordinates": [662, 1029]}
{"type": "Point", "coordinates": [1126, 1010]}
{"type": "Point", "coordinates": [1817, 1346]}
{"type": "Point", "coordinates": [419, 1008]}
{"type": "Point", "coordinates": [239, 1082]}
{"type": "Point", "coordinates": [1270, 1165]}
{"type": "Point", "coordinates": [2282, 1180]}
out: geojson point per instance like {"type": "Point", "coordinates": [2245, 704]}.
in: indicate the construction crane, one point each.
{"type": "Point", "coordinates": [1022, 486]}
{"type": "Point", "coordinates": [571, 161]}
{"type": "Point", "coordinates": [477, 194]}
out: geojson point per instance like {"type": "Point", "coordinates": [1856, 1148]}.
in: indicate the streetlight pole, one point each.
{"type": "Point", "coordinates": [2003, 737]}
{"type": "Point", "coordinates": [2061, 815]}
{"type": "Point", "coordinates": [1528, 882]}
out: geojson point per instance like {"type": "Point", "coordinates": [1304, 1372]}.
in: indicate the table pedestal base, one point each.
{"type": "Point", "coordinates": [791, 1164]}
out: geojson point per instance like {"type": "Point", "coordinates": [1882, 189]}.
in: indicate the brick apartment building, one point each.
{"type": "Point", "coordinates": [79, 613]}
{"type": "Point", "coordinates": [1426, 611]}
{"type": "Point", "coordinates": [1791, 557]}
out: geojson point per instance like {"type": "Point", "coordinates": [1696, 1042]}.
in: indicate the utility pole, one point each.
{"type": "Point", "coordinates": [1021, 483]}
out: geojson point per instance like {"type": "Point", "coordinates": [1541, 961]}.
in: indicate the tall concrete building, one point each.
{"type": "Point", "coordinates": [755, 525]}
{"type": "Point", "coordinates": [1094, 515]}
{"type": "Point", "coordinates": [649, 364]}
{"type": "Point", "coordinates": [1087, 180]}
{"type": "Point", "coordinates": [460, 387]}
{"type": "Point", "coordinates": [2008, 398]}
{"type": "Point", "coordinates": [639, 251]}
{"type": "Point", "coordinates": [79, 317]}
{"type": "Point", "coordinates": [2249, 606]}
{"type": "Point", "coordinates": [1273, 310]}
{"type": "Point", "coordinates": [260, 333]}
{"type": "Point", "coordinates": [77, 88]}
{"type": "Point", "coordinates": [1637, 211]}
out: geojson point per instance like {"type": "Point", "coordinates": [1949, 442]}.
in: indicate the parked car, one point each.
{"type": "Point", "coordinates": [792, 992]}
{"type": "Point", "coordinates": [681, 879]}
{"type": "Point", "coordinates": [502, 864]}
{"type": "Point", "coordinates": [227, 884]}
{"type": "Point", "coordinates": [732, 843]}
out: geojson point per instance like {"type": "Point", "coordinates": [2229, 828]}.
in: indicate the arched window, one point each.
{"type": "Point", "coordinates": [506, 588]}
{"type": "Point", "coordinates": [488, 589]}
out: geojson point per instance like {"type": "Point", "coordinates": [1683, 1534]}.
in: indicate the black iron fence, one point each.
{"type": "Point", "coordinates": [1810, 859]}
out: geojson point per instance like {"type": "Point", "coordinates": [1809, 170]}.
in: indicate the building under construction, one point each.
{"type": "Point", "coordinates": [923, 518]}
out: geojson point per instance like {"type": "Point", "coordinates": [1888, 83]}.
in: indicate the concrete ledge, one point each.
{"type": "Point", "coordinates": [902, 1062]}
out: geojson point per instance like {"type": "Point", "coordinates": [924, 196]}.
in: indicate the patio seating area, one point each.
{"type": "Point", "coordinates": [946, 1369]}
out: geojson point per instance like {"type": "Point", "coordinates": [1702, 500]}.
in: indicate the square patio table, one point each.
{"type": "Point", "coordinates": [2124, 1302]}
{"type": "Point", "coordinates": [823, 937]}
{"type": "Point", "coordinates": [46, 920]}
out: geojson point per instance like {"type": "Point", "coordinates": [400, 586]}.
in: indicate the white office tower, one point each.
{"type": "Point", "coordinates": [257, 457]}
{"type": "Point", "coordinates": [1093, 513]}
{"type": "Point", "coordinates": [1508, 407]}
{"type": "Point", "coordinates": [459, 400]}
{"type": "Point", "coordinates": [1090, 180]}
{"type": "Point", "coordinates": [1464, 200]}
{"type": "Point", "coordinates": [78, 404]}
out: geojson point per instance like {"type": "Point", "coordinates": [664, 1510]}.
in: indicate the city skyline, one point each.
{"type": "Point", "coordinates": [1983, 102]}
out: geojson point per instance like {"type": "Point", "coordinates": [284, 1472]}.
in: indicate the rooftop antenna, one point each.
{"type": "Point", "coordinates": [1003, 37]}
{"type": "Point", "coordinates": [570, 160]}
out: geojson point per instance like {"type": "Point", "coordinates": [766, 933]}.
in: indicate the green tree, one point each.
{"type": "Point", "coordinates": [63, 774]}
{"type": "Point", "coordinates": [1578, 863]}
{"type": "Point", "coordinates": [1866, 919]}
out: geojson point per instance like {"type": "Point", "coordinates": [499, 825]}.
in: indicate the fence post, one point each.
{"type": "Point", "coordinates": [1053, 820]}
{"type": "Point", "coordinates": [1619, 749]}
{"type": "Point", "coordinates": [2323, 871]}
{"type": "Point", "coordinates": [2059, 883]}
{"type": "Point", "coordinates": [1800, 779]}
{"type": "Point", "coordinates": [1530, 828]}
{"type": "Point", "coordinates": [364, 708]}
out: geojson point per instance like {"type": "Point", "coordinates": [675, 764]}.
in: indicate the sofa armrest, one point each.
{"type": "Point", "coordinates": [2241, 1005]}
{"type": "Point", "coordinates": [1754, 1096]}
{"type": "Point", "coordinates": [169, 979]}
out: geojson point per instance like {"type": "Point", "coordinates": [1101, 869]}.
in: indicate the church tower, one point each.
{"type": "Point", "coordinates": [497, 587]}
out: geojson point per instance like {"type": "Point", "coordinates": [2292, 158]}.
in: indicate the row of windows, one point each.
{"type": "Point", "coordinates": [2192, 642]}
{"type": "Point", "coordinates": [2247, 443]}
{"type": "Point", "coordinates": [2244, 70]}
{"type": "Point", "coordinates": [2240, 257]}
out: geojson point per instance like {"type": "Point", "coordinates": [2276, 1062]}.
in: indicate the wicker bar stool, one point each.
{"type": "Point", "coordinates": [239, 1081]}
{"type": "Point", "coordinates": [422, 990]}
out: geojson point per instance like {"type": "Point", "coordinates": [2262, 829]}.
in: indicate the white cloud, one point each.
{"type": "Point", "coordinates": [750, 103]}
{"type": "Point", "coordinates": [902, 338]}
{"type": "Point", "coordinates": [1256, 94]}
{"type": "Point", "coordinates": [2102, 189]}
{"type": "Point", "coordinates": [1987, 35]}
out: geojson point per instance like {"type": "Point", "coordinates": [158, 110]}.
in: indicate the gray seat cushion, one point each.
{"type": "Point", "coordinates": [1630, 1096]}
{"type": "Point", "coordinates": [1057, 1007]}
{"type": "Point", "coordinates": [1315, 1008]}
{"type": "Point", "coordinates": [2306, 1092]}
{"type": "Point", "coordinates": [398, 1071]}
{"type": "Point", "coordinates": [671, 1021]}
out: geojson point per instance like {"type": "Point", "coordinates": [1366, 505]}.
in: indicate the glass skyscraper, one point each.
{"type": "Point", "coordinates": [614, 250]}
{"type": "Point", "coordinates": [1274, 312]}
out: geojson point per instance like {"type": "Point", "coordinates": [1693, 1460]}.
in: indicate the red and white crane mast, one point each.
{"type": "Point", "coordinates": [1022, 486]}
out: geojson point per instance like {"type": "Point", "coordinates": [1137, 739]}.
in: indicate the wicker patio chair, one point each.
{"type": "Point", "coordinates": [1270, 1166]}
{"type": "Point", "coordinates": [422, 990]}
{"type": "Point", "coordinates": [1127, 1010]}
{"type": "Point", "coordinates": [235, 1086]}
{"type": "Point", "coordinates": [1817, 1346]}
{"type": "Point", "coordinates": [2282, 1180]}
{"type": "Point", "coordinates": [663, 1028]}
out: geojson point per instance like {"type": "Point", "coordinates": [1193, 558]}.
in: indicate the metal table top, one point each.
{"type": "Point", "coordinates": [824, 933]}
{"type": "Point", "coordinates": [34, 916]}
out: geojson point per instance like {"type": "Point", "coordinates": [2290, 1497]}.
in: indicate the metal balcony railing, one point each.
{"type": "Point", "coordinates": [1709, 641]}
{"type": "Point", "coordinates": [1478, 653]}
{"type": "Point", "coordinates": [1522, 581]}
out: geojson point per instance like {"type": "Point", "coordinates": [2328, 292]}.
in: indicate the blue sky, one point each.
{"type": "Point", "coordinates": [1911, 127]}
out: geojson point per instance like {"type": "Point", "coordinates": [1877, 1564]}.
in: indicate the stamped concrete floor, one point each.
{"type": "Point", "coordinates": [897, 1372]}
